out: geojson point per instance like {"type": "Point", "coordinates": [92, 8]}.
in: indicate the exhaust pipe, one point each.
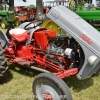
{"type": "Point", "coordinates": [39, 69]}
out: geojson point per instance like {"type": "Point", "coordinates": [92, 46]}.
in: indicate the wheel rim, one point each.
{"type": "Point", "coordinates": [3, 25]}
{"type": "Point", "coordinates": [47, 91]}
{"type": "Point", "coordinates": [50, 25]}
{"type": "Point", "coordinates": [16, 23]}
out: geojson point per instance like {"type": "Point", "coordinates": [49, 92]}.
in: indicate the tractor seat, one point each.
{"type": "Point", "coordinates": [19, 34]}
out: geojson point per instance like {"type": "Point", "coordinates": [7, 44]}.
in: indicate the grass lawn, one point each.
{"type": "Point", "coordinates": [18, 85]}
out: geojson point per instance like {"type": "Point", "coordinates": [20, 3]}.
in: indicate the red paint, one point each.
{"type": "Point", "coordinates": [36, 52]}
{"type": "Point", "coordinates": [41, 37]}
{"type": "Point", "coordinates": [86, 39]}
{"type": "Point", "coordinates": [48, 96]}
{"type": "Point", "coordinates": [67, 73]}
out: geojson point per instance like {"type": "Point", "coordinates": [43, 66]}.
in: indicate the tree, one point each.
{"type": "Point", "coordinates": [32, 6]}
{"type": "Point", "coordinates": [3, 3]}
{"type": "Point", "coordinates": [11, 4]}
{"type": "Point", "coordinates": [98, 3]}
{"type": "Point", "coordinates": [88, 1]}
{"type": "Point", "coordinates": [1, 7]}
{"type": "Point", "coordinates": [39, 9]}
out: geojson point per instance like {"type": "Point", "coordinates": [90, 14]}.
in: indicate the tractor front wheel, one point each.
{"type": "Point", "coordinates": [17, 22]}
{"type": "Point", "coordinates": [4, 24]}
{"type": "Point", "coordinates": [47, 86]}
{"type": "Point", "coordinates": [3, 64]}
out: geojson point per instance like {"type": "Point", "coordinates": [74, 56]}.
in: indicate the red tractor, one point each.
{"type": "Point", "coordinates": [58, 56]}
{"type": "Point", "coordinates": [33, 46]}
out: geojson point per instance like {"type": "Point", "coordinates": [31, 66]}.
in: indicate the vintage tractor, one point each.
{"type": "Point", "coordinates": [75, 52]}
{"type": "Point", "coordinates": [21, 17]}
{"type": "Point", "coordinates": [24, 16]}
{"type": "Point", "coordinates": [6, 17]}
{"type": "Point", "coordinates": [91, 16]}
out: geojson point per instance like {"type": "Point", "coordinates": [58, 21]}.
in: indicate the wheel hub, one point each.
{"type": "Point", "coordinates": [50, 25]}
{"type": "Point", "coordinates": [16, 23]}
{"type": "Point", "coordinates": [48, 96]}
{"type": "Point", "coordinates": [3, 25]}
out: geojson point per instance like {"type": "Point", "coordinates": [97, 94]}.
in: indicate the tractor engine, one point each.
{"type": "Point", "coordinates": [60, 50]}
{"type": "Point", "coordinates": [59, 46]}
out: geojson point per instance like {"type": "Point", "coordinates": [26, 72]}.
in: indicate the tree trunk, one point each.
{"type": "Point", "coordinates": [11, 5]}
{"type": "Point", "coordinates": [39, 9]}
{"type": "Point", "coordinates": [76, 4]}
{"type": "Point", "coordinates": [1, 7]}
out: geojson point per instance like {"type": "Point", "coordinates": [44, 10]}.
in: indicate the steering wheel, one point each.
{"type": "Point", "coordinates": [35, 23]}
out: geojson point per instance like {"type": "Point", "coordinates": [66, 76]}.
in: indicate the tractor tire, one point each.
{"type": "Point", "coordinates": [3, 65]}
{"type": "Point", "coordinates": [17, 22]}
{"type": "Point", "coordinates": [4, 24]}
{"type": "Point", "coordinates": [47, 86]}
{"type": "Point", "coordinates": [50, 25]}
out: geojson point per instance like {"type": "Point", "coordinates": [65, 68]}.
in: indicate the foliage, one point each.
{"type": "Point", "coordinates": [32, 6]}
{"type": "Point", "coordinates": [88, 1]}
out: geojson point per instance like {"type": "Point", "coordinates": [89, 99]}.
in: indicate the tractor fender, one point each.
{"type": "Point", "coordinates": [4, 40]}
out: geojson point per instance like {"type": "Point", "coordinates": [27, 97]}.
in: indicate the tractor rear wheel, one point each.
{"type": "Point", "coordinates": [50, 25]}
{"type": "Point", "coordinates": [47, 86]}
{"type": "Point", "coordinates": [3, 64]}
{"type": "Point", "coordinates": [4, 24]}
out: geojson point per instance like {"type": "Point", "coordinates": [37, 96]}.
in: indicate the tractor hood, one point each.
{"type": "Point", "coordinates": [86, 35]}
{"type": "Point", "coordinates": [89, 14]}
{"type": "Point", "coordinates": [3, 12]}
{"type": "Point", "coordinates": [78, 28]}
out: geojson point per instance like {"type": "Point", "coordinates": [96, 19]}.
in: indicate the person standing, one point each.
{"type": "Point", "coordinates": [47, 9]}
{"type": "Point", "coordinates": [32, 14]}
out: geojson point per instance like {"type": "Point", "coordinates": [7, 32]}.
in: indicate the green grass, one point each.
{"type": "Point", "coordinates": [20, 79]}
{"type": "Point", "coordinates": [4, 30]}
{"type": "Point", "coordinates": [19, 83]}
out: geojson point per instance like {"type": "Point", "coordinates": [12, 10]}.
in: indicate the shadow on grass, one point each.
{"type": "Point", "coordinates": [78, 85]}
{"type": "Point", "coordinates": [7, 78]}
{"type": "Point", "coordinates": [24, 70]}
{"type": "Point", "coordinates": [72, 82]}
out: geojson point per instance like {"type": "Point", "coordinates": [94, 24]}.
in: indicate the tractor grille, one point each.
{"type": "Point", "coordinates": [11, 17]}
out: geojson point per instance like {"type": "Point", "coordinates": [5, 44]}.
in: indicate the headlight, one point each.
{"type": "Point", "coordinates": [92, 59]}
